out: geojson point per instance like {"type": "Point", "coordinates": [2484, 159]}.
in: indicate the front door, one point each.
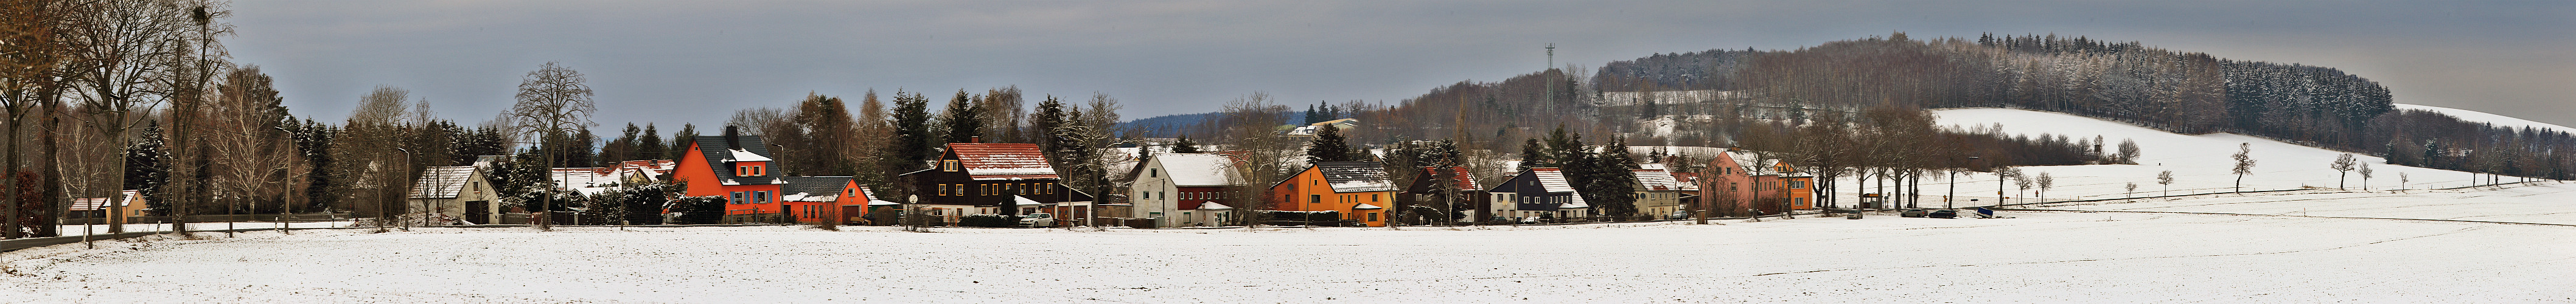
{"type": "Point", "coordinates": [478, 212]}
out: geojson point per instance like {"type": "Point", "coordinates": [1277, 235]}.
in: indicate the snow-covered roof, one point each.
{"type": "Point", "coordinates": [658, 169]}
{"type": "Point", "coordinates": [96, 203]}
{"type": "Point", "coordinates": [882, 203]}
{"type": "Point", "coordinates": [1552, 179]}
{"type": "Point", "coordinates": [1367, 207]}
{"type": "Point", "coordinates": [441, 182]}
{"type": "Point", "coordinates": [744, 156]}
{"type": "Point", "coordinates": [1199, 169]}
{"type": "Point", "coordinates": [584, 178]}
{"type": "Point", "coordinates": [1024, 201]}
{"type": "Point", "coordinates": [1660, 180]}
{"type": "Point", "coordinates": [1346, 177]}
{"type": "Point", "coordinates": [1214, 206]}
{"type": "Point", "coordinates": [1002, 161]}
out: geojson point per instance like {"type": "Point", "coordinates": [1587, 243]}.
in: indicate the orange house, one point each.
{"type": "Point", "coordinates": [735, 167]}
{"type": "Point", "coordinates": [1798, 188]}
{"type": "Point", "coordinates": [814, 198]}
{"type": "Point", "coordinates": [1360, 191]}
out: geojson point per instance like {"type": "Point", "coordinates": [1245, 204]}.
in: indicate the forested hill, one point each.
{"type": "Point", "coordinates": [1709, 98]}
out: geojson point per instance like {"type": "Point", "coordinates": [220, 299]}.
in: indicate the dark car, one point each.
{"type": "Point", "coordinates": [1943, 213]}
{"type": "Point", "coordinates": [1911, 213]}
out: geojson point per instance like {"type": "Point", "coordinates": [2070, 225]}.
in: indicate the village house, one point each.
{"type": "Point", "coordinates": [128, 204]}
{"type": "Point", "coordinates": [1659, 192]}
{"type": "Point", "coordinates": [1536, 194]}
{"type": "Point", "coordinates": [1425, 190]}
{"type": "Point", "coordinates": [817, 199]}
{"type": "Point", "coordinates": [980, 178]}
{"type": "Point", "coordinates": [458, 194]}
{"type": "Point", "coordinates": [1184, 189]}
{"type": "Point", "coordinates": [1359, 191]}
{"type": "Point", "coordinates": [1741, 183]}
{"type": "Point", "coordinates": [736, 167]}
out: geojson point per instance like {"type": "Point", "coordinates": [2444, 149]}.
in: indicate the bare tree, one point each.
{"type": "Point", "coordinates": [1263, 153]}
{"type": "Point", "coordinates": [2343, 165]}
{"type": "Point", "coordinates": [2365, 176]}
{"type": "Point", "coordinates": [244, 131]}
{"type": "Point", "coordinates": [2166, 179]}
{"type": "Point", "coordinates": [134, 55]}
{"type": "Point", "coordinates": [2133, 188]}
{"type": "Point", "coordinates": [365, 153]}
{"type": "Point", "coordinates": [2244, 164]}
{"type": "Point", "coordinates": [2046, 182]}
{"type": "Point", "coordinates": [2128, 151]}
{"type": "Point", "coordinates": [552, 100]}
{"type": "Point", "coordinates": [35, 58]}
{"type": "Point", "coordinates": [2401, 181]}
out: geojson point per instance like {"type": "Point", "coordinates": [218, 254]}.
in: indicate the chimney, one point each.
{"type": "Point", "coordinates": [731, 137]}
{"type": "Point", "coordinates": [974, 139]}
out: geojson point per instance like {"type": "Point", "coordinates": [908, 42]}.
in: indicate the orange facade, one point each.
{"type": "Point", "coordinates": [1310, 191]}
{"type": "Point", "coordinates": [740, 198]}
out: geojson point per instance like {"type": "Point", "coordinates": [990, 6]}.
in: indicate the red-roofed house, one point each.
{"type": "Point", "coordinates": [1423, 192]}
{"type": "Point", "coordinates": [981, 178]}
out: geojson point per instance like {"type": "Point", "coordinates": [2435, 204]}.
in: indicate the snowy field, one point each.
{"type": "Point", "coordinates": [2036, 257]}
{"type": "Point", "coordinates": [2544, 202]}
{"type": "Point", "coordinates": [2201, 163]}
{"type": "Point", "coordinates": [77, 230]}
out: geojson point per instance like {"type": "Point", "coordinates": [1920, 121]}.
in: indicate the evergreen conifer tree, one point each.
{"type": "Point", "coordinates": [1329, 146]}
{"type": "Point", "coordinates": [962, 121]}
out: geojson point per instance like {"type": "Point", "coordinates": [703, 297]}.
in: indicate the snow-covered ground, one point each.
{"type": "Point", "coordinates": [2201, 163]}
{"type": "Point", "coordinates": [2490, 118]}
{"type": "Point", "coordinates": [2050, 257]}
{"type": "Point", "coordinates": [2544, 202]}
{"type": "Point", "coordinates": [78, 230]}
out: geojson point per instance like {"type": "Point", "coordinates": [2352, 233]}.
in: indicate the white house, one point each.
{"type": "Point", "coordinates": [455, 194]}
{"type": "Point", "coordinates": [1185, 189]}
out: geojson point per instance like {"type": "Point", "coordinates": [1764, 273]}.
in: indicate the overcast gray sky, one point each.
{"type": "Point", "coordinates": [674, 62]}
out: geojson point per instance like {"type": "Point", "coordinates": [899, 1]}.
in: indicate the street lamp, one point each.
{"type": "Point", "coordinates": [383, 208]}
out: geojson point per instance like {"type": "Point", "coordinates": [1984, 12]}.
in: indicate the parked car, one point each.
{"type": "Point", "coordinates": [1911, 213]}
{"type": "Point", "coordinates": [1944, 213]}
{"type": "Point", "coordinates": [1038, 220]}
{"type": "Point", "coordinates": [1678, 215]}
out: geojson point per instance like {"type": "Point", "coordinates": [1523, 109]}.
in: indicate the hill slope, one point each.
{"type": "Point", "coordinates": [2201, 163]}
{"type": "Point", "coordinates": [2498, 120]}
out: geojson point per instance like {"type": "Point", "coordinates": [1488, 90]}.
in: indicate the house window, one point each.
{"type": "Point", "coordinates": [1372, 198]}
{"type": "Point", "coordinates": [737, 197]}
{"type": "Point", "coordinates": [1314, 198]}
{"type": "Point", "coordinates": [948, 165]}
{"type": "Point", "coordinates": [760, 197]}
{"type": "Point", "coordinates": [1145, 194]}
{"type": "Point", "coordinates": [1153, 172]}
{"type": "Point", "coordinates": [1372, 216]}
{"type": "Point", "coordinates": [1165, 195]}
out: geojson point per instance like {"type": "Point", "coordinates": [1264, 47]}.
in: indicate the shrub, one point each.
{"type": "Point", "coordinates": [987, 220]}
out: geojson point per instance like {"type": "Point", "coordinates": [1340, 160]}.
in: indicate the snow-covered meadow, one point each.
{"type": "Point", "coordinates": [2050, 257]}
{"type": "Point", "coordinates": [2200, 163]}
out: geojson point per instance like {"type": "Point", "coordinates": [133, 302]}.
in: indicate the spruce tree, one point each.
{"type": "Point", "coordinates": [912, 138]}
{"type": "Point", "coordinates": [1184, 145]}
{"type": "Point", "coordinates": [680, 141]}
{"type": "Point", "coordinates": [1533, 155]}
{"type": "Point", "coordinates": [649, 145]}
{"type": "Point", "coordinates": [962, 121]}
{"type": "Point", "coordinates": [143, 168]}
{"type": "Point", "coordinates": [1329, 146]}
